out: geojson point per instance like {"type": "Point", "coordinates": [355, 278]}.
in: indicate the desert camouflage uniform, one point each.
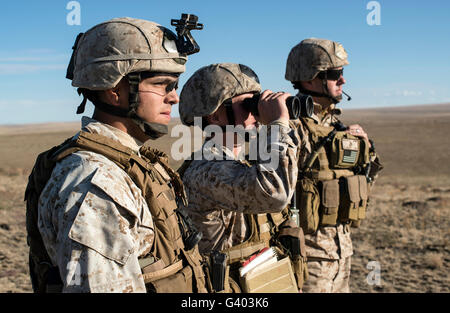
{"type": "Point", "coordinates": [221, 192]}
{"type": "Point", "coordinates": [329, 250]}
{"type": "Point", "coordinates": [94, 221]}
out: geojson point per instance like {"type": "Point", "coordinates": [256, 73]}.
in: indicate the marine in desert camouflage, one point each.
{"type": "Point", "coordinates": [101, 206]}
{"type": "Point", "coordinates": [227, 193]}
{"type": "Point", "coordinates": [337, 165]}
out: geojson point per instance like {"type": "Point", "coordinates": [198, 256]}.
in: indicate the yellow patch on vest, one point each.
{"type": "Point", "coordinates": [350, 144]}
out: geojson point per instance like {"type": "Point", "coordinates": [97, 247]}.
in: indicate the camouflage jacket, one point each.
{"type": "Point", "coordinates": [221, 192]}
{"type": "Point", "coordinates": [329, 242]}
{"type": "Point", "coordinates": [94, 221]}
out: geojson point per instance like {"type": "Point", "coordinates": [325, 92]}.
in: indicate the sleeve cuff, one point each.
{"type": "Point", "coordinates": [281, 122]}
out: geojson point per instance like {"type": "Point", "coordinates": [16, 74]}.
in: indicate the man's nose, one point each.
{"type": "Point", "coordinates": [172, 97]}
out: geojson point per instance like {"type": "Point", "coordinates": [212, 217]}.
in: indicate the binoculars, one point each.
{"type": "Point", "coordinates": [298, 106]}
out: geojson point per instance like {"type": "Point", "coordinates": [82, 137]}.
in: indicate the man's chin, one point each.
{"type": "Point", "coordinates": [164, 119]}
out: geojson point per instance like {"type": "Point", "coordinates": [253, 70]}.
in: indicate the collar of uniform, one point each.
{"type": "Point", "coordinates": [93, 126]}
{"type": "Point", "coordinates": [319, 115]}
{"type": "Point", "coordinates": [318, 112]}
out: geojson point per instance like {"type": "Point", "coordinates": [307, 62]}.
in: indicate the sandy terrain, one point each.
{"type": "Point", "coordinates": [407, 230]}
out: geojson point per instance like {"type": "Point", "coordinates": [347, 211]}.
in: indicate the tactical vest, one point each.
{"type": "Point", "coordinates": [332, 185]}
{"type": "Point", "coordinates": [266, 230]}
{"type": "Point", "coordinates": [169, 267]}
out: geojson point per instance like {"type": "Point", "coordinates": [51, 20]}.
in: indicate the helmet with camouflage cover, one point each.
{"type": "Point", "coordinates": [312, 56]}
{"type": "Point", "coordinates": [118, 48]}
{"type": "Point", "coordinates": [109, 51]}
{"type": "Point", "coordinates": [212, 85]}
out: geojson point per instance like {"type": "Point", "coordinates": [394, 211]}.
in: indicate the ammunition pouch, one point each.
{"type": "Point", "coordinates": [331, 187]}
{"type": "Point", "coordinates": [354, 195]}
{"type": "Point", "coordinates": [330, 202]}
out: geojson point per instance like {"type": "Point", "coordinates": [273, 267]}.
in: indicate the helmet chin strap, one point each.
{"type": "Point", "coordinates": [153, 130]}
{"type": "Point", "coordinates": [324, 94]}
{"type": "Point", "coordinates": [334, 100]}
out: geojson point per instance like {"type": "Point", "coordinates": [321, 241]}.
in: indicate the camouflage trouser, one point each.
{"type": "Point", "coordinates": [328, 275]}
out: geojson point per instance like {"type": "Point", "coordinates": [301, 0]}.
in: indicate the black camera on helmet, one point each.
{"type": "Point", "coordinates": [298, 106]}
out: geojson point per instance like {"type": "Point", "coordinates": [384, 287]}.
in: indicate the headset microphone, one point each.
{"type": "Point", "coordinates": [348, 97]}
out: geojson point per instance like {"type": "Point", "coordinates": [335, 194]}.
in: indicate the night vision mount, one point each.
{"type": "Point", "coordinates": [186, 44]}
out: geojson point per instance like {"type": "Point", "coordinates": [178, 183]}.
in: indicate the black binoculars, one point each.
{"type": "Point", "coordinates": [298, 106]}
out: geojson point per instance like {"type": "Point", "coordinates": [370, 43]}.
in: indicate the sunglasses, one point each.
{"type": "Point", "coordinates": [171, 86]}
{"type": "Point", "coordinates": [331, 74]}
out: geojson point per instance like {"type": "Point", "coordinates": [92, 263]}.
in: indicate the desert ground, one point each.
{"type": "Point", "coordinates": [407, 229]}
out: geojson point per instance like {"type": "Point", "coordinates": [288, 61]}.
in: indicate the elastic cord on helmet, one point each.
{"type": "Point", "coordinates": [153, 130]}
{"type": "Point", "coordinates": [133, 96]}
{"type": "Point", "coordinates": [326, 94]}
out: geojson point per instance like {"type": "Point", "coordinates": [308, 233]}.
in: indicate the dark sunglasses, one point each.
{"type": "Point", "coordinates": [173, 85]}
{"type": "Point", "coordinates": [331, 74]}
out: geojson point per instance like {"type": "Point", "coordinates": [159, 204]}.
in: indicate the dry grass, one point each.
{"type": "Point", "coordinates": [407, 229]}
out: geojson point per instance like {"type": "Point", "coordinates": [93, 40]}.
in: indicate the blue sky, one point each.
{"type": "Point", "coordinates": [403, 61]}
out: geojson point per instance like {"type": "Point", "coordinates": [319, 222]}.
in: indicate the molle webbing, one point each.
{"type": "Point", "coordinates": [320, 168]}
{"type": "Point", "coordinates": [331, 187]}
{"type": "Point", "coordinates": [262, 228]}
{"type": "Point", "coordinates": [142, 171]}
{"type": "Point", "coordinates": [153, 176]}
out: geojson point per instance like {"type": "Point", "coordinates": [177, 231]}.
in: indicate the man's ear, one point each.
{"type": "Point", "coordinates": [111, 96]}
{"type": "Point", "coordinates": [117, 95]}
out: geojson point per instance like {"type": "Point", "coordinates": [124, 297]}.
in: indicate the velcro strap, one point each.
{"type": "Point", "coordinates": [166, 272]}
{"type": "Point", "coordinates": [141, 56]}
{"type": "Point", "coordinates": [242, 253]}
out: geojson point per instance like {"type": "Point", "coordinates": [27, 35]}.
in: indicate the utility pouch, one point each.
{"type": "Point", "coordinates": [278, 277]}
{"type": "Point", "coordinates": [180, 282]}
{"type": "Point", "coordinates": [292, 239]}
{"type": "Point", "coordinates": [363, 194]}
{"type": "Point", "coordinates": [308, 201]}
{"type": "Point", "coordinates": [344, 151]}
{"type": "Point", "coordinates": [330, 202]}
{"type": "Point", "coordinates": [350, 199]}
